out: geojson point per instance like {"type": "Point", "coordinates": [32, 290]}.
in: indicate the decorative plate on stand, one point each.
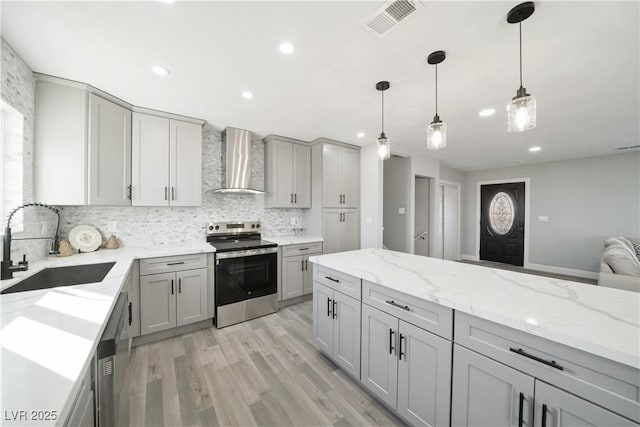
{"type": "Point", "coordinates": [85, 238]}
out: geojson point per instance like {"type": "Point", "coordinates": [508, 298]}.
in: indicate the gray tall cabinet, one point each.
{"type": "Point", "coordinates": [335, 191]}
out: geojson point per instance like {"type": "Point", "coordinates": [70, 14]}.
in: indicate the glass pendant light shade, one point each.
{"type": "Point", "coordinates": [384, 147]}
{"type": "Point", "coordinates": [436, 135]}
{"type": "Point", "coordinates": [521, 113]}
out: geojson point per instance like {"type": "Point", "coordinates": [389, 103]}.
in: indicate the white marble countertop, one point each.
{"type": "Point", "coordinates": [293, 240]}
{"type": "Point", "coordinates": [599, 320]}
{"type": "Point", "coordinates": [49, 336]}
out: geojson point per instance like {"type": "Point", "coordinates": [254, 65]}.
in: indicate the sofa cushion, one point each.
{"type": "Point", "coordinates": [621, 259]}
{"type": "Point", "coordinates": [623, 240]}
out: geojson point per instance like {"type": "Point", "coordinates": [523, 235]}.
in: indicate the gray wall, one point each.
{"type": "Point", "coordinates": [450, 174]}
{"type": "Point", "coordinates": [586, 200]}
{"type": "Point", "coordinates": [396, 194]}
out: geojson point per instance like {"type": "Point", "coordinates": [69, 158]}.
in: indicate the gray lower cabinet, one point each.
{"type": "Point", "coordinates": [82, 413]}
{"type": "Point", "coordinates": [172, 299]}
{"type": "Point", "coordinates": [336, 327]}
{"type": "Point", "coordinates": [406, 367]}
{"type": "Point", "coordinates": [557, 408]}
{"type": "Point", "coordinates": [341, 230]}
{"type": "Point", "coordinates": [487, 393]}
{"type": "Point", "coordinates": [297, 277]}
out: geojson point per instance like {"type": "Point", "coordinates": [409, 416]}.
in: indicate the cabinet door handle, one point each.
{"type": "Point", "coordinates": [306, 264]}
{"type": "Point", "coordinates": [332, 279]}
{"type": "Point", "coordinates": [171, 286]}
{"type": "Point", "coordinates": [391, 348]}
{"type": "Point", "coordinates": [329, 305]}
{"type": "Point", "coordinates": [335, 309]}
{"type": "Point", "coordinates": [295, 198]}
{"type": "Point", "coordinates": [344, 199]}
{"type": "Point", "coordinates": [291, 198]}
{"type": "Point", "coordinates": [175, 263]}
{"type": "Point", "coordinates": [521, 352]}
{"type": "Point", "coordinates": [302, 265]}
{"type": "Point", "coordinates": [129, 190]}
{"type": "Point", "coordinates": [130, 313]}
{"type": "Point", "coordinates": [544, 415]}
{"type": "Point", "coordinates": [340, 199]}
{"type": "Point", "coordinates": [400, 353]}
{"type": "Point", "coordinates": [520, 407]}
{"type": "Point", "coordinates": [166, 193]}
{"type": "Point", "coordinates": [395, 304]}
{"type": "Point", "coordinates": [179, 286]}
{"type": "Point", "coordinates": [173, 193]}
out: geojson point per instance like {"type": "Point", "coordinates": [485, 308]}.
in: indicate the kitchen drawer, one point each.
{"type": "Point", "coordinates": [172, 263]}
{"type": "Point", "coordinates": [302, 249]}
{"type": "Point", "coordinates": [424, 314]}
{"type": "Point", "coordinates": [606, 383]}
{"type": "Point", "coordinates": [341, 282]}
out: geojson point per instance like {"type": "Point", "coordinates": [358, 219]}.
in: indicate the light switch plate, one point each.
{"type": "Point", "coordinates": [401, 211]}
{"type": "Point", "coordinates": [543, 219]}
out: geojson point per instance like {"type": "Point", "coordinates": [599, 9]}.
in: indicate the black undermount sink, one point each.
{"type": "Point", "coordinates": [62, 276]}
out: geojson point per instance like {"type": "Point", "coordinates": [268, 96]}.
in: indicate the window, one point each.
{"type": "Point", "coordinates": [11, 167]}
{"type": "Point", "coordinates": [501, 213]}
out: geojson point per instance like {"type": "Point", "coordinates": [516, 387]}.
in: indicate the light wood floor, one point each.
{"type": "Point", "coordinates": [263, 372]}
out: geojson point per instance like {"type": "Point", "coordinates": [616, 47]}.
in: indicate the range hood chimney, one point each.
{"type": "Point", "coordinates": [236, 160]}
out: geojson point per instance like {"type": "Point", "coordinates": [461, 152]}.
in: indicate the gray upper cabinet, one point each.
{"type": "Point", "coordinates": [288, 173]}
{"type": "Point", "coordinates": [557, 408]}
{"type": "Point", "coordinates": [340, 176]}
{"type": "Point", "coordinates": [167, 162]}
{"type": "Point", "coordinates": [109, 153]}
{"type": "Point", "coordinates": [82, 151]}
{"type": "Point", "coordinates": [487, 393]}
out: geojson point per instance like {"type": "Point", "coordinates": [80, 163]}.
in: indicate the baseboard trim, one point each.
{"type": "Point", "coordinates": [468, 257]}
{"type": "Point", "coordinates": [563, 270]}
{"type": "Point", "coordinates": [170, 333]}
{"type": "Point", "coordinates": [295, 300]}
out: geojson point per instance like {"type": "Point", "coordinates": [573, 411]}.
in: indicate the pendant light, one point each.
{"type": "Point", "coordinates": [521, 111]}
{"type": "Point", "coordinates": [437, 131]}
{"type": "Point", "coordinates": [384, 147]}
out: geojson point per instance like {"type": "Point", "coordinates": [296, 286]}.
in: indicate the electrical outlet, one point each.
{"type": "Point", "coordinates": [43, 228]}
{"type": "Point", "coordinates": [543, 219]}
{"type": "Point", "coordinates": [401, 211]}
{"type": "Point", "coordinates": [112, 226]}
{"type": "Point", "coordinates": [293, 220]}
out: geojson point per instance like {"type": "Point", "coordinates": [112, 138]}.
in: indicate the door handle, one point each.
{"type": "Point", "coordinates": [171, 286]}
{"type": "Point", "coordinates": [302, 265]}
{"type": "Point", "coordinates": [130, 313]}
{"type": "Point", "coordinates": [295, 198]}
{"type": "Point", "coordinates": [344, 199]}
{"type": "Point", "coordinates": [520, 407]}
{"type": "Point", "coordinates": [335, 309]}
{"type": "Point", "coordinates": [179, 286]}
{"type": "Point", "coordinates": [544, 415]}
{"type": "Point", "coordinates": [391, 348]}
{"type": "Point", "coordinates": [329, 305]}
{"type": "Point", "coordinates": [306, 264]}
{"type": "Point", "coordinates": [173, 193]}
{"type": "Point", "coordinates": [130, 190]}
{"type": "Point", "coordinates": [166, 193]}
{"type": "Point", "coordinates": [402, 337]}
{"type": "Point", "coordinates": [291, 198]}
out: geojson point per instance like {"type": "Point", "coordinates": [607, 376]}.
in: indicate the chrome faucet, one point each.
{"type": "Point", "coordinates": [6, 266]}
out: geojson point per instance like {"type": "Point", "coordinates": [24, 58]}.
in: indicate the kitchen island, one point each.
{"type": "Point", "coordinates": [49, 336]}
{"type": "Point", "coordinates": [582, 338]}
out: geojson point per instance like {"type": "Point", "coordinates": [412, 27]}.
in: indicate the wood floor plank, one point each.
{"type": "Point", "coordinates": [265, 372]}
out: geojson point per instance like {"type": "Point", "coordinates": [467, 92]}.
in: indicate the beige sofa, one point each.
{"type": "Point", "coordinates": [619, 265]}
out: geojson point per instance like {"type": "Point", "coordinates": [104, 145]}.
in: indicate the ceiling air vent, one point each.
{"type": "Point", "coordinates": [388, 16]}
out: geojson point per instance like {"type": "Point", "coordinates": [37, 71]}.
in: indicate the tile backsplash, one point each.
{"type": "Point", "coordinates": [166, 225]}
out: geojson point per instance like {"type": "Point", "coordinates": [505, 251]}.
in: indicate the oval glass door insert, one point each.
{"type": "Point", "coordinates": [501, 213]}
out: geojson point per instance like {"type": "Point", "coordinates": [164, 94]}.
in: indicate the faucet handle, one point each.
{"type": "Point", "coordinates": [24, 260]}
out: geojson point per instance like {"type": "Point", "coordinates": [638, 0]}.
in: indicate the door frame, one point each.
{"type": "Point", "coordinates": [445, 183]}
{"type": "Point", "coordinates": [527, 201]}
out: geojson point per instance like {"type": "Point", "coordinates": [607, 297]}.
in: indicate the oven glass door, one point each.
{"type": "Point", "coordinates": [239, 278]}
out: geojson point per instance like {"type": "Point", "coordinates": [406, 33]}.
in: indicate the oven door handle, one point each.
{"type": "Point", "coordinates": [247, 253]}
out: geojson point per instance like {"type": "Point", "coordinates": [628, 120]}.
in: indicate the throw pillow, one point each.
{"type": "Point", "coordinates": [612, 240]}
{"type": "Point", "coordinates": [622, 260]}
{"type": "Point", "coordinates": [636, 247]}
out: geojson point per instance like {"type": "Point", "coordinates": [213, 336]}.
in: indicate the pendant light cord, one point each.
{"type": "Point", "coordinates": [520, 26]}
{"type": "Point", "coordinates": [436, 89]}
{"type": "Point", "coordinates": [382, 91]}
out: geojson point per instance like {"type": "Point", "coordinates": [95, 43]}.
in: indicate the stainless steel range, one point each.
{"type": "Point", "coordinates": [246, 272]}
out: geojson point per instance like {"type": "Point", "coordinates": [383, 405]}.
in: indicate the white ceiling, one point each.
{"type": "Point", "coordinates": [581, 61]}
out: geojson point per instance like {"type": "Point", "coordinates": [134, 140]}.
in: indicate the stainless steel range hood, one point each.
{"type": "Point", "coordinates": [236, 162]}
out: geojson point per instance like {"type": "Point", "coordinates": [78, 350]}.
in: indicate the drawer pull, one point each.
{"type": "Point", "coordinates": [332, 279]}
{"type": "Point", "coordinates": [175, 263]}
{"type": "Point", "coordinates": [521, 352]}
{"type": "Point", "coordinates": [544, 415]}
{"type": "Point", "coordinates": [395, 304]}
{"type": "Point", "coordinates": [303, 249]}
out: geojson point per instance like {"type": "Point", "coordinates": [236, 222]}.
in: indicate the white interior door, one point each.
{"type": "Point", "coordinates": [421, 215]}
{"type": "Point", "coordinates": [449, 221]}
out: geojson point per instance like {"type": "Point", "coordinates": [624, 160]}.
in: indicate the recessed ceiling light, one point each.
{"type": "Point", "coordinates": [534, 149]}
{"type": "Point", "coordinates": [168, 1]}
{"type": "Point", "coordinates": [361, 135]}
{"type": "Point", "coordinates": [161, 71]}
{"type": "Point", "coordinates": [287, 48]}
{"type": "Point", "coordinates": [247, 95]}
{"type": "Point", "coordinates": [487, 112]}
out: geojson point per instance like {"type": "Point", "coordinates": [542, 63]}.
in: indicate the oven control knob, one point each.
{"type": "Point", "coordinates": [217, 227]}
{"type": "Point", "coordinates": [253, 226]}
{"type": "Point", "coordinates": [257, 225]}
{"type": "Point", "coordinates": [210, 227]}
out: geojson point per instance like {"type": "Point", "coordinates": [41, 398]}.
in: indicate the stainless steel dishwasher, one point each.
{"type": "Point", "coordinates": [113, 362]}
